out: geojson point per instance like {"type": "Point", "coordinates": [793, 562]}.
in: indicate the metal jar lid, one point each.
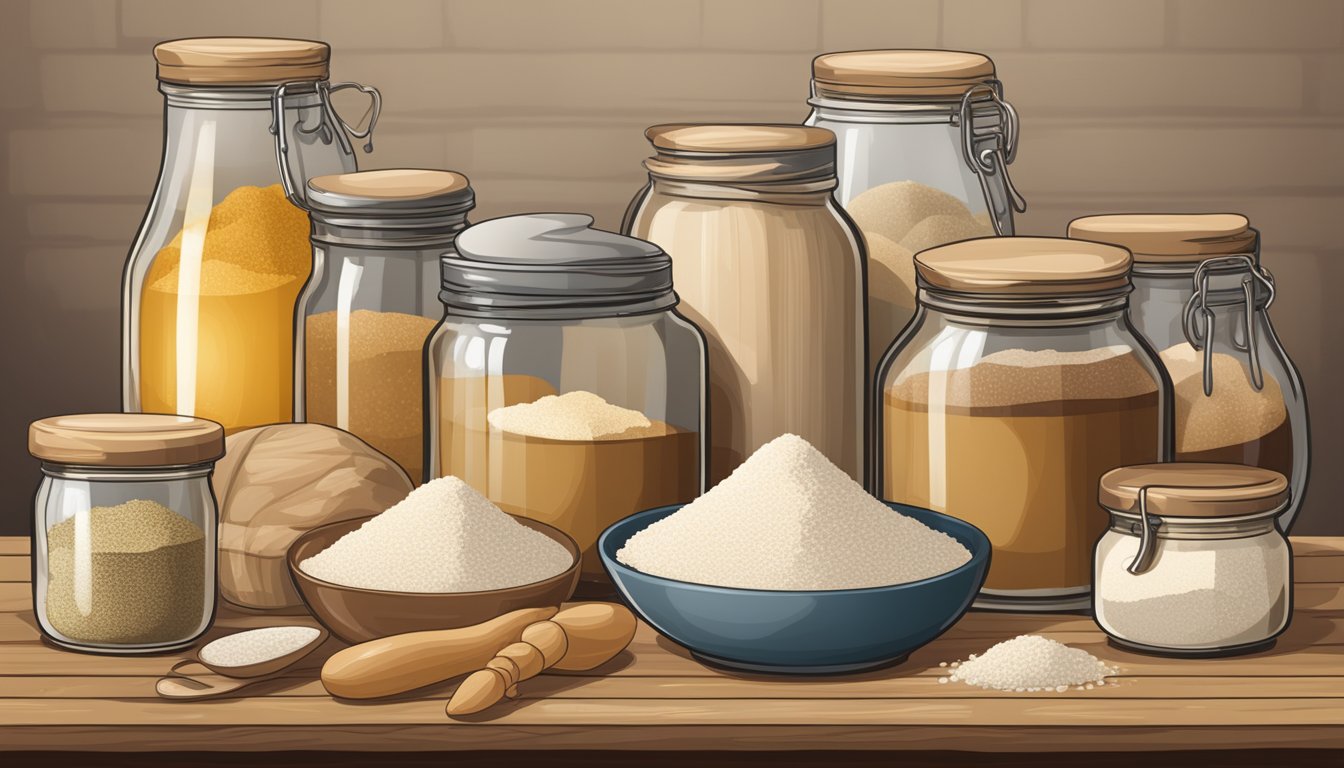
{"type": "Point", "coordinates": [554, 265]}
{"type": "Point", "coordinates": [395, 208]}
{"type": "Point", "coordinates": [126, 440]}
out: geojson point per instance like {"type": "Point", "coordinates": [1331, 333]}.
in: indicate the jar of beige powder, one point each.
{"type": "Point", "coordinates": [1202, 298]}
{"type": "Point", "coordinates": [562, 383]}
{"type": "Point", "coordinates": [124, 530]}
{"type": "Point", "coordinates": [378, 237]}
{"type": "Point", "coordinates": [1020, 382]}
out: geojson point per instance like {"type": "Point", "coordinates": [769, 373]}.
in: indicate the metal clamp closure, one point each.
{"type": "Point", "coordinates": [1201, 304]}
{"type": "Point", "coordinates": [989, 150]}
{"type": "Point", "coordinates": [1148, 528]}
{"type": "Point", "coordinates": [330, 126]}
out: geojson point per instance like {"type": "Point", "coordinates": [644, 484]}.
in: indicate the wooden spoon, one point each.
{"type": "Point", "coordinates": [266, 667]}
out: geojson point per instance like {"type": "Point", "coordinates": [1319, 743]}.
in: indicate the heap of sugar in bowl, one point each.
{"type": "Point", "coordinates": [1030, 663]}
{"type": "Point", "coordinates": [789, 519]}
{"type": "Point", "coordinates": [443, 537]}
{"type": "Point", "coordinates": [257, 645]}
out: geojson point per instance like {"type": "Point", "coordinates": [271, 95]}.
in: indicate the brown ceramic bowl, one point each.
{"type": "Point", "coordinates": [355, 615]}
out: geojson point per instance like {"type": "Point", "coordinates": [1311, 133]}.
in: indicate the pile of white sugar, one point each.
{"type": "Point", "coordinates": [1031, 663]}
{"type": "Point", "coordinates": [256, 645]}
{"type": "Point", "coordinates": [789, 519]}
{"type": "Point", "coordinates": [443, 537]}
{"type": "Point", "coordinates": [574, 415]}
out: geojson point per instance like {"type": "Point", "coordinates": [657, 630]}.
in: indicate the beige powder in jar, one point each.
{"type": "Point", "coordinates": [386, 352]}
{"type": "Point", "coordinates": [130, 574]}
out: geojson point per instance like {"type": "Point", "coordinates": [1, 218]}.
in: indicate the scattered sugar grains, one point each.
{"type": "Point", "coordinates": [256, 645]}
{"type": "Point", "coordinates": [443, 537]}
{"type": "Point", "coordinates": [1031, 663]}
{"type": "Point", "coordinates": [789, 519]}
{"type": "Point", "coordinates": [574, 415]}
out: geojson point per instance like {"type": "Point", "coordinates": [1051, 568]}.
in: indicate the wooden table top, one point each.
{"type": "Point", "coordinates": [655, 697]}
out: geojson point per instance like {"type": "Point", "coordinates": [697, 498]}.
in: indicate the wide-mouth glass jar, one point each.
{"type": "Point", "coordinates": [562, 383]}
{"type": "Point", "coordinates": [1020, 382]}
{"type": "Point", "coordinates": [210, 285]}
{"type": "Point", "coordinates": [1202, 299]}
{"type": "Point", "coordinates": [769, 267]}
{"type": "Point", "coordinates": [124, 530]}
{"type": "Point", "coordinates": [1193, 563]}
{"type": "Point", "coordinates": [924, 139]}
{"type": "Point", "coordinates": [378, 237]}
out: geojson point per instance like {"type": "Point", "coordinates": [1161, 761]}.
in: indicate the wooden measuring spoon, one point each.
{"type": "Point", "coordinates": [196, 679]}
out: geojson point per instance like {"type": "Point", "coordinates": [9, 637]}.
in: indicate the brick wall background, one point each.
{"type": "Point", "coordinates": [1126, 105]}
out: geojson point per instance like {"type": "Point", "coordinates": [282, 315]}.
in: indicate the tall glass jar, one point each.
{"type": "Point", "coordinates": [372, 302]}
{"type": "Point", "coordinates": [209, 289]}
{"type": "Point", "coordinates": [562, 383]}
{"type": "Point", "coordinates": [1193, 563]}
{"type": "Point", "coordinates": [1020, 382]}
{"type": "Point", "coordinates": [124, 530]}
{"type": "Point", "coordinates": [1201, 298]}
{"type": "Point", "coordinates": [772, 271]}
{"type": "Point", "coordinates": [924, 140]}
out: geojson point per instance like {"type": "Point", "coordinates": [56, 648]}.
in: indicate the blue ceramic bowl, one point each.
{"type": "Point", "coordinates": [787, 632]}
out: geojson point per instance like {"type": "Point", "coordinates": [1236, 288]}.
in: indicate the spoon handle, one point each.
{"type": "Point", "coordinates": [176, 686]}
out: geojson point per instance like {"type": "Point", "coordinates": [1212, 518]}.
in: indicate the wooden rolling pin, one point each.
{"type": "Point", "coordinates": [401, 663]}
{"type": "Point", "coordinates": [577, 638]}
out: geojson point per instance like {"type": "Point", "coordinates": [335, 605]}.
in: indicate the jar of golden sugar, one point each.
{"type": "Point", "coordinates": [924, 139]}
{"type": "Point", "coordinates": [124, 530]}
{"type": "Point", "coordinates": [1202, 299]}
{"type": "Point", "coordinates": [1193, 563]}
{"type": "Point", "coordinates": [1020, 382]}
{"type": "Point", "coordinates": [210, 285]}
{"type": "Point", "coordinates": [770, 269]}
{"type": "Point", "coordinates": [373, 300]}
{"type": "Point", "coordinates": [562, 383]}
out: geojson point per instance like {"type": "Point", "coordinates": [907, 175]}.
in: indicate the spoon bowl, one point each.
{"type": "Point", "coordinates": [266, 666]}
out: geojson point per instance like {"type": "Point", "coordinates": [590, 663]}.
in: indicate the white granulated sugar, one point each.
{"type": "Point", "coordinates": [789, 519]}
{"type": "Point", "coordinates": [443, 537]}
{"type": "Point", "coordinates": [256, 645]}
{"type": "Point", "coordinates": [1031, 663]}
{"type": "Point", "coordinates": [574, 415]}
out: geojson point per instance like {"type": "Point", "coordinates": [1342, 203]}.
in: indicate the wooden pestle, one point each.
{"type": "Point", "coordinates": [400, 663]}
{"type": "Point", "coordinates": [577, 638]}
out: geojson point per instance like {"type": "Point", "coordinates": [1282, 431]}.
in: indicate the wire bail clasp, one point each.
{"type": "Point", "coordinates": [991, 149]}
{"type": "Point", "coordinates": [1148, 528]}
{"type": "Point", "coordinates": [329, 127]}
{"type": "Point", "coordinates": [1203, 300]}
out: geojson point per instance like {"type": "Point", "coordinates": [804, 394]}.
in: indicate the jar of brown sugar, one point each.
{"type": "Point", "coordinates": [1202, 298]}
{"type": "Point", "coordinates": [124, 530]}
{"type": "Point", "coordinates": [378, 237]}
{"type": "Point", "coordinates": [1019, 382]}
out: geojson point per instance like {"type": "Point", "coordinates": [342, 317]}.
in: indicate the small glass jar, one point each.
{"type": "Point", "coordinates": [770, 269]}
{"type": "Point", "coordinates": [562, 383]}
{"type": "Point", "coordinates": [924, 139]}
{"type": "Point", "coordinates": [378, 237]}
{"type": "Point", "coordinates": [1202, 300]}
{"type": "Point", "coordinates": [210, 286]}
{"type": "Point", "coordinates": [124, 530]}
{"type": "Point", "coordinates": [1193, 563]}
{"type": "Point", "coordinates": [1019, 382]}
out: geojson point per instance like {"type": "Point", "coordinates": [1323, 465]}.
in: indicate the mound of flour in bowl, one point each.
{"type": "Point", "coordinates": [789, 519]}
{"type": "Point", "coordinates": [443, 537]}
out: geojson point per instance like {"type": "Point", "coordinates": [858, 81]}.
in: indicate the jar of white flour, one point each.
{"type": "Point", "coordinates": [1193, 563]}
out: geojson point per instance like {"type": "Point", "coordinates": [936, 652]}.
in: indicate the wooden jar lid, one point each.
{"type": "Point", "coordinates": [1025, 265]}
{"type": "Point", "coordinates": [1190, 489]}
{"type": "Point", "coordinates": [901, 73]}
{"type": "Point", "coordinates": [1169, 237]}
{"type": "Point", "coordinates": [241, 60]}
{"type": "Point", "coordinates": [738, 138]}
{"type": "Point", "coordinates": [126, 440]}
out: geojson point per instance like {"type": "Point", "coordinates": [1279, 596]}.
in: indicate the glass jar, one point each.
{"type": "Point", "coordinates": [924, 140]}
{"type": "Point", "coordinates": [124, 530]}
{"type": "Point", "coordinates": [1202, 300]}
{"type": "Point", "coordinates": [772, 272]}
{"type": "Point", "coordinates": [1019, 382]}
{"type": "Point", "coordinates": [210, 285]}
{"type": "Point", "coordinates": [562, 383]}
{"type": "Point", "coordinates": [372, 302]}
{"type": "Point", "coordinates": [1193, 564]}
